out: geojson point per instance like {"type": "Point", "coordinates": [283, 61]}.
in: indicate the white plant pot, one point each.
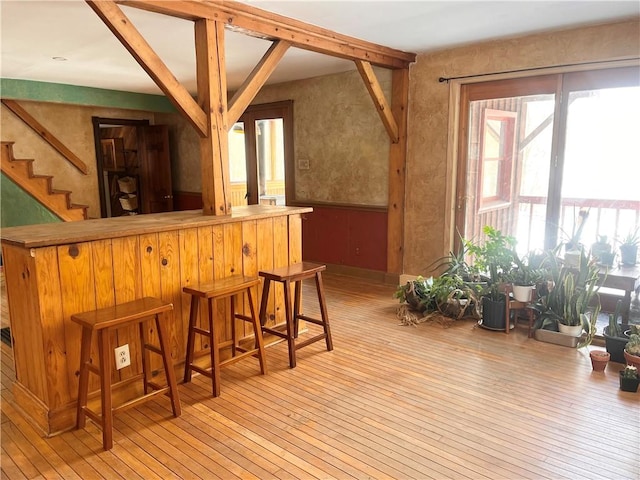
{"type": "Point", "coordinates": [574, 331]}
{"type": "Point", "coordinates": [522, 293]}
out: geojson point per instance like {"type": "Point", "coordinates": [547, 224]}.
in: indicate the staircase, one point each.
{"type": "Point", "coordinates": [39, 186]}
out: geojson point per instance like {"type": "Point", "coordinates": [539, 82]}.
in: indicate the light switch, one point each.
{"type": "Point", "coordinates": [303, 164]}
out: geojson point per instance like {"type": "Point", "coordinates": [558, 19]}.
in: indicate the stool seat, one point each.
{"type": "Point", "coordinates": [295, 273]}
{"type": "Point", "coordinates": [103, 321]}
{"type": "Point", "coordinates": [219, 289]}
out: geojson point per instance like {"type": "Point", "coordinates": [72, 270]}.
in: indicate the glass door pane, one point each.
{"type": "Point", "coordinates": [602, 162]}
{"type": "Point", "coordinates": [238, 165]}
{"type": "Point", "coordinates": [271, 164]}
{"type": "Point", "coordinates": [508, 165]}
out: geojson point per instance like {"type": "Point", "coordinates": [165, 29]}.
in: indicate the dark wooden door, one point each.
{"type": "Point", "coordinates": [156, 194]}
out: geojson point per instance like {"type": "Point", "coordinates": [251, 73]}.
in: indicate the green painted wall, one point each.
{"type": "Point", "coordinates": [74, 95]}
{"type": "Point", "coordinates": [17, 207]}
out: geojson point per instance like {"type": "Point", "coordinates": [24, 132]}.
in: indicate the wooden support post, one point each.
{"type": "Point", "coordinates": [212, 98]}
{"type": "Point", "coordinates": [397, 164]}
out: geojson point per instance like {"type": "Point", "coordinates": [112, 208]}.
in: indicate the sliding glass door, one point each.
{"type": "Point", "coordinates": [538, 152]}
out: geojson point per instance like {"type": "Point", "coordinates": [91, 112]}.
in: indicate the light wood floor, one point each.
{"type": "Point", "coordinates": [389, 402]}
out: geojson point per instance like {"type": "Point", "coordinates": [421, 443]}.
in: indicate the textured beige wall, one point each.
{"type": "Point", "coordinates": [426, 238]}
{"type": "Point", "coordinates": [72, 125]}
{"type": "Point", "coordinates": [336, 128]}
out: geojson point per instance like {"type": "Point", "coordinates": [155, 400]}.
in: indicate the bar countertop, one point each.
{"type": "Point", "coordinates": [50, 234]}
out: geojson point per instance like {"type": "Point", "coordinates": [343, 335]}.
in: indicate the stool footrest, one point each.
{"type": "Point", "coordinates": [203, 371]}
{"type": "Point", "coordinates": [309, 341]}
{"type": "Point", "coordinates": [201, 331]}
{"type": "Point", "coordinates": [240, 356]}
{"type": "Point", "coordinates": [311, 320]}
{"type": "Point", "coordinates": [275, 332]}
{"type": "Point", "coordinates": [153, 348]}
{"type": "Point", "coordinates": [246, 318]}
{"type": "Point", "coordinates": [95, 416]}
{"type": "Point", "coordinates": [92, 368]}
{"type": "Point", "coordinates": [137, 401]}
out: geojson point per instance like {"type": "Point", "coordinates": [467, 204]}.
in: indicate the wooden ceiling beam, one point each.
{"type": "Point", "coordinates": [134, 42]}
{"type": "Point", "coordinates": [270, 26]}
{"type": "Point", "coordinates": [254, 82]}
{"type": "Point", "coordinates": [377, 95]}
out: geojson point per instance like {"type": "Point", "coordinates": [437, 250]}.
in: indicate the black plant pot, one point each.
{"type": "Point", "coordinates": [615, 345]}
{"type": "Point", "coordinates": [628, 384]}
{"type": "Point", "coordinates": [628, 254]}
{"type": "Point", "coordinates": [493, 313]}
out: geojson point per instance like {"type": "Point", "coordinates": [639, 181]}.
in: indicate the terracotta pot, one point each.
{"type": "Point", "coordinates": [632, 359]}
{"type": "Point", "coordinates": [599, 360]}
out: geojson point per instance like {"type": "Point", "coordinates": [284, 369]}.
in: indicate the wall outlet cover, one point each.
{"type": "Point", "coordinates": [123, 359]}
{"type": "Point", "coordinates": [303, 163]}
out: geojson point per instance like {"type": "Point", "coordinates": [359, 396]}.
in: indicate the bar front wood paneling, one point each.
{"type": "Point", "coordinates": [53, 271]}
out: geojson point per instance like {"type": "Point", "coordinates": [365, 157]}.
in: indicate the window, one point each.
{"type": "Point", "coordinates": [496, 157]}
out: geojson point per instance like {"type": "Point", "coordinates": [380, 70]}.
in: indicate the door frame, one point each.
{"type": "Point", "coordinates": [98, 123]}
{"type": "Point", "coordinates": [284, 110]}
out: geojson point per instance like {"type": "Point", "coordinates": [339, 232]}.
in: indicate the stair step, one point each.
{"type": "Point", "coordinates": [40, 186]}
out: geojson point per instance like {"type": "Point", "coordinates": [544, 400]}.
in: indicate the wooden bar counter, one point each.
{"type": "Point", "coordinates": [55, 270]}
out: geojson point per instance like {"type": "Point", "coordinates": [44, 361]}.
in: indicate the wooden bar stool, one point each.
{"type": "Point", "coordinates": [227, 287]}
{"type": "Point", "coordinates": [295, 273]}
{"type": "Point", "coordinates": [103, 321]}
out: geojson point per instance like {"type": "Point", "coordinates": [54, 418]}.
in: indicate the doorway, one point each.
{"type": "Point", "coordinates": [134, 167]}
{"type": "Point", "coordinates": [260, 155]}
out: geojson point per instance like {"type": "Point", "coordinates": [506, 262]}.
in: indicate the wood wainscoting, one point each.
{"type": "Point", "coordinates": [348, 236]}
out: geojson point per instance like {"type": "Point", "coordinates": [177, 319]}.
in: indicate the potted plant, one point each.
{"type": "Point", "coordinates": [632, 350]}
{"type": "Point", "coordinates": [599, 360]}
{"type": "Point", "coordinates": [601, 251]}
{"type": "Point", "coordinates": [493, 258]}
{"type": "Point", "coordinates": [615, 335]}
{"type": "Point", "coordinates": [528, 272]}
{"type": "Point", "coordinates": [416, 293]}
{"type": "Point", "coordinates": [565, 307]}
{"type": "Point", "coordinates": [629, 248]}
{"type": "Point", "coordinates": [629, 379]}
{"type": "Point", "coordinates": [573, 246]}
{"type": "Point", "coordinates": [447, 294]}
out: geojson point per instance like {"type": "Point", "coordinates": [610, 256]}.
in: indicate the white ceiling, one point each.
{"type": "Point", "coordinates": [34, 32]}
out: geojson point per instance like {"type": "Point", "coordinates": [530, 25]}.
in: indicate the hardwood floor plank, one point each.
{"type": "Point", "coordinates": [38, 442]}
{"type": "Point", "coordinates": [19, 465]}
{"type": "Point", "coordinates": [9, 469]}
{"type": "Point", "coordinates": [29, 451]}
{"type": "Point", "coordinates": [389, 401]}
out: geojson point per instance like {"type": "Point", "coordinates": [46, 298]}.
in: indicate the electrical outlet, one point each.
{"type": "Point", "coordinates": [122, 356]}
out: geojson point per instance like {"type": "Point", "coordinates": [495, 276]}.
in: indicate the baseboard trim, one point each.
{"type": "Point", "coordinates": [357, 272]}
